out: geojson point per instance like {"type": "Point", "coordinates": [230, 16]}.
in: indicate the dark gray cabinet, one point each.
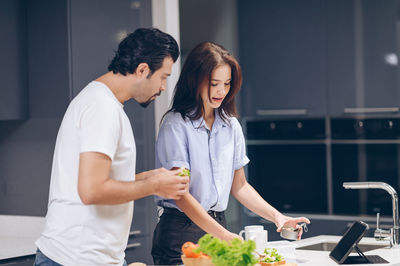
{"type": "Point", "coordinates": [69, 43]}
{"type": "Point", "coordinates": [19, 261]}
{"type": "Point", "coordinates": [283, 57]}
{"type": "Point", "coordinates": [319, 58]}
{"type": "Point", "coordinates": [13, 60]}
{"type": "Point", "coordinates": [96, 28]}
{"type": "Point", "coordinates": [362, 51]}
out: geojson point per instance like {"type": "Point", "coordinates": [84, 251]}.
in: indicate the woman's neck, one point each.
{"type": "Point", "coordinates": [209, 117]}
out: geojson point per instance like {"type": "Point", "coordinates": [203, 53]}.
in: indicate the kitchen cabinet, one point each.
{"type": "Point", "coordinates": [102, 24]}
{"type": "Point", "coordinates": [349, 80]}
{"type": "Point", "coordinates": [362, 50]}
{"type": "Point", "coordinates": [69, 43]}
{"type": "Point", "coordinates": [13, 60]}
{"type": "Point", "coordinates": [97, 26]}
{"type": "Point", "coordinates": [319, 58]}
{"type": "Point", "coordinates": [282, 48]}
{"type": "Point", "coordinates": [19, 261]}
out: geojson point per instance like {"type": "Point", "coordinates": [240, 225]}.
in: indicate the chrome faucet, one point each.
{"type": "Point", "coordinates": [394, 234]}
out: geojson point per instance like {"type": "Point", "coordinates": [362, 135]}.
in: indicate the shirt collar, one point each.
{"type": "Point", "coordinates": [218, 122]}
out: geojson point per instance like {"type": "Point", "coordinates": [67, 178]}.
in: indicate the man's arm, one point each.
{"type": "Point", "coordinates": [96, 187]}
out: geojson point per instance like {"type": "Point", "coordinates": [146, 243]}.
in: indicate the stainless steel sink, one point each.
{"type": "Point", "coordinates": [328, 246]}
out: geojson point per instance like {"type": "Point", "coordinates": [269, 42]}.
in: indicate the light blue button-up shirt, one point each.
{"type": "Point", "coordinates": [212, 156]}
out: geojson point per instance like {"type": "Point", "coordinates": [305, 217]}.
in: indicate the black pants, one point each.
{"type": "Point", "coordinates": [174, 229]}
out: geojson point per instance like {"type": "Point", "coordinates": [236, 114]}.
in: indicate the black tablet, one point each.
{"type": "Point", "coordinates": [348, 241]}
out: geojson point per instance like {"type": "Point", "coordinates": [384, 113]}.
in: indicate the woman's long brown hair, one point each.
{"type": "Point", "coordinates": [198, 67]}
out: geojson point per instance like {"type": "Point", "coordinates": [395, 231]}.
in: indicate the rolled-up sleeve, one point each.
{"type": "Point", "coordinates": [171, 146]}
{"type": "Point", "coordinates": [241, 158]}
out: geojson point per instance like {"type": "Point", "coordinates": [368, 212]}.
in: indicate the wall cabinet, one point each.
{"type": "Point", "coordinates": [283, 57]}
{"type": "Point", "coordinates": [13, 60]}
{"type": "Point", "coordinates": [362, 50]}
{"type": "Point", "coordinates": [319, 58]}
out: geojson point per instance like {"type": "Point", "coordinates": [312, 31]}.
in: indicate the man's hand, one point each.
{"type": "Point", "coordinates": [168, 184]}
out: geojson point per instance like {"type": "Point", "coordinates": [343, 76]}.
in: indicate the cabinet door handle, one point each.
{"type": "Point", "coordinates": [281, 111]}
{"type": "Point", "coordinates": [133, 245]}
{"type": "Point", "coordinates": [135, 232]}
{"type": "Point", "coordinates": [357, 110]}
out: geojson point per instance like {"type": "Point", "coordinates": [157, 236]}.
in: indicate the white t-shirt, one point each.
{"type": "Point", "coordinates": [78, 234]}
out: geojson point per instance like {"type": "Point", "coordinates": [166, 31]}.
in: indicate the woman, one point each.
{"type": "Point", "coordinates": [201, 133]}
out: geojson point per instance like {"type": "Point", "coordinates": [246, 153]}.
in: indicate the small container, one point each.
{"type": "Point", "coordinates": [291, 233]}
{"type": "Point", "coordinates": [285, 248]}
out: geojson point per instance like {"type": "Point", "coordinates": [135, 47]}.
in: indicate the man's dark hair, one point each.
{"type": "Point", "coordinates": [144, 45]}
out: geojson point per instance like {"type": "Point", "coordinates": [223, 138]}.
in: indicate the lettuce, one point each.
{"type": "Point", "coordinates": [222, 253]}
{"type": "Point", "coordinates": [184, 172]}
{"type": "Point", "coordinates": [271, 255]}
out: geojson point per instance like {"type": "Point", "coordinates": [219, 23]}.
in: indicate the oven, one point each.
{"type": "Point", "coordinates": [288, 163]}
{"type": "Point", "coordinates": [364, 149]}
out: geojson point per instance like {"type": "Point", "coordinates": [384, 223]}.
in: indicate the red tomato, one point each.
{"type": "Point", "coordinates": [187, 250]}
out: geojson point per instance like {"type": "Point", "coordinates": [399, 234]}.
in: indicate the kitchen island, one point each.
{"type": "Point", "coordinates": [19, 233]}
{"type": "Point", "coordinates": [17, 238]}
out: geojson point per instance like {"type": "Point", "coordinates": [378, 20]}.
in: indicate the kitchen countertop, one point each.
{"type": "Point", "coordinates": [318, 258]}
{"type": "Point", "coordinates": [18, 235]}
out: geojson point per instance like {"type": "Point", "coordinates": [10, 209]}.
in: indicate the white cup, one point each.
{"type": "Point", "coordinates": [249, 228]}
{"type": "Point", "coordinates": [257, 234]}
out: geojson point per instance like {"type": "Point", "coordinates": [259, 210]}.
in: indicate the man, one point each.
{"type": "Point", "coordinates": [93, 183]}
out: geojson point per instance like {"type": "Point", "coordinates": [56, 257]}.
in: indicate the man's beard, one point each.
{"type": "Point", "coordinates": [146, 103]}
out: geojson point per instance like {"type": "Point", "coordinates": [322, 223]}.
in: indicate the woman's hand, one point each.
{"type": "Point", "coordinates": [228, 236]}
{"type": "Point", "coordinates": [286, 221]}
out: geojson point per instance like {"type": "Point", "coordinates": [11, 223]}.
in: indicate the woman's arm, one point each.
{"type": "Point", "coordinates": [192, 208]}
{"type": "Point", "coordinates": [249, 197]}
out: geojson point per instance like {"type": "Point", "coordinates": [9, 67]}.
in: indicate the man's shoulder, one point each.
{"type": "Point", "coordinates": [95, 95]}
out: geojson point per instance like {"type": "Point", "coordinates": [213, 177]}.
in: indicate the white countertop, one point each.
{"type": "Point", "coordinates": [319, 258]}
{"type": "Point", "coordinates": [18, 235]}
